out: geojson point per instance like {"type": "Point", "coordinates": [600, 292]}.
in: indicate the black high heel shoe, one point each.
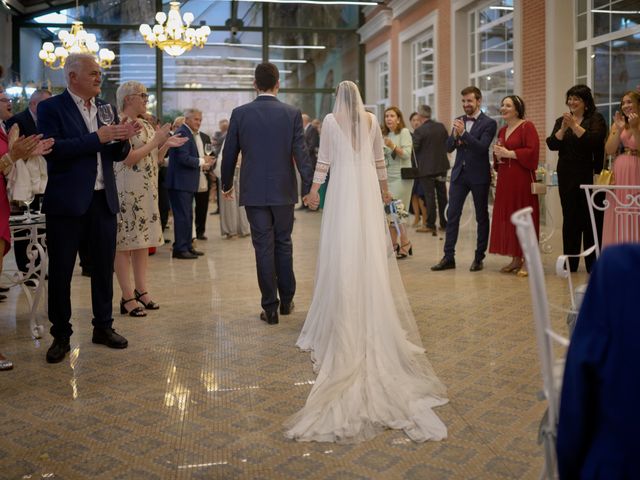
{"type": "Point", "coordinates": [136, 312]}
{"type": "Point", "coordinates": [150, 305]}
{"type": "Point", "coordinates": [401, 254]}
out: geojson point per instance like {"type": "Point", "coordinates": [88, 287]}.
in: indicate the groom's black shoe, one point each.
{"type": "Point", "coordinates": [270, 317]}
{"type": "Point", "coordinates": [58, 350]}
{"type": "Point", "coordinates": [444, 264]}
{"type": "Point", "coordinates": [476, 266]}
{"type": "Point", "coordinates": [286, 308]}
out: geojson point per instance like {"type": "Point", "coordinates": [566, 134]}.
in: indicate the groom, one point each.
{"type": "Point", "coordinates": [270, 136]}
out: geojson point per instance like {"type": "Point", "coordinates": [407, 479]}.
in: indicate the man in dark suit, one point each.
{"type": "Point", "coordinates": [183, 176]}
{"type": "Point", "coordinates": [311, 139]}
{"type": "Point", "coordinates": [471, 137]}
{"type": "Point", "coordinates": [269, 134]}
{"type": "Point", "coordinates": [26, 121]}
{"type": "Point", "coordinates": [81, 198]}
{"type": "Point", "coordinates": [202, 195]}
{"type": "Point", "coordinates": [430, 147]}
{"type": "Point", "coordinates": [599, 417]}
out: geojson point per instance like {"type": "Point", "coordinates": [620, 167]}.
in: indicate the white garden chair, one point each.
{"type": "Point", "coordinates": [624, 200]}
{"type": "Point", "coordinates": [552, 368]}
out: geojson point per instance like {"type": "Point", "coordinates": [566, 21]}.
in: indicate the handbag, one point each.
{"type": "Point", "coordinates": [537, 188]}
{"type": "Point", "coordinates": [409, 173]}
{"type": "Point", "coordinates": [412, 172]}
{"type": "Point", "coordinates": [606, 175]}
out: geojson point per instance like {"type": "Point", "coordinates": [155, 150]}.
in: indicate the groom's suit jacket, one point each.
{"type": "Point", "coordinates": [73, 161]}
{"type": "Point", "coordinates": [473, 151]}
{"type": "Point", "coordinates": [269, 134]}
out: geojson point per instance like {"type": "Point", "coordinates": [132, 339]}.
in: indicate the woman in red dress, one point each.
{"type": "Point", "coordinates": [515, 158]}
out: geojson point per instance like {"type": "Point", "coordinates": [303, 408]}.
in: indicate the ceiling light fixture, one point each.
{"type": "Point", "coordinates": [76, 41]}
{"type": "Point", "coordinates": [174, 37]}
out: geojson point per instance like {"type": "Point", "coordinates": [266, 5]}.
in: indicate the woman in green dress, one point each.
{"type": "Point", "coordinates": [397, 155]}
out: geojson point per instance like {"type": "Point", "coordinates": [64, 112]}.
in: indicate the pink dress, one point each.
{"type": "Point", "coordinates": [626, 171]}
{"type": "Point", "coordinates": [5, 233]}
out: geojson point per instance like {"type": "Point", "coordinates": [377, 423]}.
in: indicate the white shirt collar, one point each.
{"type": "Point", "coordinates": [79, 100]}
{"type": "Point", "coordinates": [192, 132]}
{"type": "Point", "coordinates": [266, 95]}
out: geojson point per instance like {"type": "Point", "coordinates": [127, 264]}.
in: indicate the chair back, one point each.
{"type": "Point", "coordinates": [528, 239]}
{"type": "Point", "coordinates": [624, 201]}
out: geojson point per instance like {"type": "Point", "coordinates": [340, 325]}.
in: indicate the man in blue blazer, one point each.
{"type": "Point", "coordinates": [183, 176]}
{"type": "Point", "coordinates": [270, 136]}
{"type": "Point", "coordinates": [471, 137]}
{"type": "Point", "coordinates": [599, 416]}
{"type": "Point", "coordinates": [81, 199]}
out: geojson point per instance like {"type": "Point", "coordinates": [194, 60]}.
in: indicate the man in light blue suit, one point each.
{"type": "Point", "coordinates": [471, 137]}
{"type": "Point", "coordinates": [270, 136]}
{"type": "Point", "coordinates": [599, 415]}
{"type": "Point", "coordinates": [183, 175]}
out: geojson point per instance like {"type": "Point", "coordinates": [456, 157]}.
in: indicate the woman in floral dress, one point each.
{"type": "Point", "coordinates": [139, 225]}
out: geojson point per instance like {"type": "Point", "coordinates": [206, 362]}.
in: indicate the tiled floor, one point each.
{"type": "Point", "coordinates": [204, 386]}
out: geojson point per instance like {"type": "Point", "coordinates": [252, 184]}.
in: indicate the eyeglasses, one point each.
{"type": "Point", "coordinates": [5, 100]}
{"type": "Point", "coordinates": [143, 96]}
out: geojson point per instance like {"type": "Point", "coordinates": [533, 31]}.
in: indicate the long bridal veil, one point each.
{"type": "Point", "coordinates": [362, 335]}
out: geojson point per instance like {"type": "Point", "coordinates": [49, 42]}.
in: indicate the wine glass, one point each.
{"type": "Point", "coordinates": [208, 148]}
{"type": "Point", "coordinates": [27, 201]}
{"type": "Point", "coordinates": [500, 143]}
{"type": "Point", "coordinates": [106, 116]}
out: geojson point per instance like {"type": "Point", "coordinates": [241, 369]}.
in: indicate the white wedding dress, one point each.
{"type": "Point", "coordinates": [372, 372]}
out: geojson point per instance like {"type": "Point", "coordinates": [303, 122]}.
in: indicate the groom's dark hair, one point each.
{"type": "Point", "coordinates": [266, 76]}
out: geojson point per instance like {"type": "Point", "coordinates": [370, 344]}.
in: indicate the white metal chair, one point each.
{"type": "Point", "coordinates": [624, 200]}
{"type": "Point", "coordinates": [552, 368]}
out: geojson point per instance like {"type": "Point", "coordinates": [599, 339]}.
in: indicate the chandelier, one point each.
{"type": "Point", "coordinates": [76, 41]}
{"type": "Point", "coordinates": [174, 37]}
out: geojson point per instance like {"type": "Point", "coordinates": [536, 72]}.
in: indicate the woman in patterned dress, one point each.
{"type": "Point", "coordinates": [137, 181]}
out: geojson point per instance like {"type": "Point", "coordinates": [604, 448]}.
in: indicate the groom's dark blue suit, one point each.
{"type": "Point", "coordinates": [269, 134]}
{"type": "Point", "coordinates": [75, 209]}
{"type": "Point", "coordinates": [470, 173]}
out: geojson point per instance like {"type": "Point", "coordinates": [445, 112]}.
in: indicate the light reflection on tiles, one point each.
{"type": "Point", "coordinates": [204, 387]}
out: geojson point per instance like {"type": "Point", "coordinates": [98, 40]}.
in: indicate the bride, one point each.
{"type": "Point", "coordinates": [372, 373]}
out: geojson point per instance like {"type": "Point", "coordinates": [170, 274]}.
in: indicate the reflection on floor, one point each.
{"type": "Point", "coordinates": [204, 386]}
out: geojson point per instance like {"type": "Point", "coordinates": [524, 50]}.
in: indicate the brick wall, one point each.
{"type": "Point", "coordinates": [533, 67]}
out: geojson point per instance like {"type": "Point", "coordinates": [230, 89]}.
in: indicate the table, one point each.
{"type": "Point", "coordinates": [36, 271]}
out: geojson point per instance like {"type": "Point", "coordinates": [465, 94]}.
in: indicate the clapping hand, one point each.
{"type": "Point", "coordinates": [175, 141]}
{"type": "Point", "coordinates": [634, 120]}
{"type": "Point", "coordinates": [43, 147]}
{"type": "Point", "coordinates": [618, 120]}
{"type": "Point", "coordinates": [567, 120]}
{"type": "Point", "coordinates": [458, 127]}
{"type": "Point", "coordinates": [21, 146]}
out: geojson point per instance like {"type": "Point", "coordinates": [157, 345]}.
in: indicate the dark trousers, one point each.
{"type": "Point", "coordinates": [182, 207]}
{"type": "Point", "coordinates": [163, 198]}
{"type": "Point", "coordinates": [458, 192]}
{"type": "Point", "coordinates": [433, 187]}
{"type": "Point", "coordinates": [271, 228]}
{"type": "Point", "coordinates": [98, 224]}
{"type": "Point", "coordinates": [202, 206]}
{"type": "Point", "coordinates": [577, 234]}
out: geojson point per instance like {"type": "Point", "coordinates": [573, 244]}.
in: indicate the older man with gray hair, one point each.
{"type": "Point", "coordinates": [81, 199]}
{"type": "Point", "coordinates": [183, 176]}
